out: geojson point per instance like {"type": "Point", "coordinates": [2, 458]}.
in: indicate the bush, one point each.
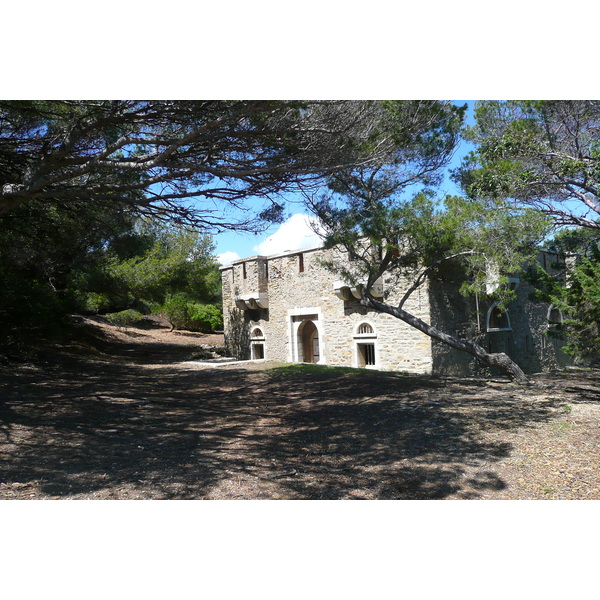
{"type": "Point", "coordinates": [183, 314]}
{"type": "Point", "coordinates": [207, 317]}
{"type": "Point", "coordinates": [178, 312]}
{"type": "Point", "coordinates": [95, 303]}
{"type": "Point", "coordinates": [146, 308]}
{"type": "Point", "coordinates": [125, 318]}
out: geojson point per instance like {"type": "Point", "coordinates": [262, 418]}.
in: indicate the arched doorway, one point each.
{"type": "Point", "coordinates": [309, 341]}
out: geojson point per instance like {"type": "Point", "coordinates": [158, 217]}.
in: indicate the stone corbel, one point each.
{"type": "Point", "coordinates": [252, 302]}
{"type": "Point", "coordinates": [342, 291]}
{"type": "Point", "coordinates": [357, 291]}
{"type": "Point", "coordinates": [346, 292]}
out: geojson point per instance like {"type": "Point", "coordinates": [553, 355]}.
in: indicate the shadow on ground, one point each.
{"type": "Point", "coordinates": [109, 429]}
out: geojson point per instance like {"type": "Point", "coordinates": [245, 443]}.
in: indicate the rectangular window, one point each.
{"type": "Point", "coordinates": [300, 263]}
{"type": "Point", "coordinates": [244, 270]}
{"type": "Point", "coordinates": [366, 355]}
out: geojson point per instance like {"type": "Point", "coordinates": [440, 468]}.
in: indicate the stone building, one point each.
{"type": "Point", "coordinates": [291, 308]}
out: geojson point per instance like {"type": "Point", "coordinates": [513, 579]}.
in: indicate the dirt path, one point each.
{"type": "Point", "coordinates": [124, 415]}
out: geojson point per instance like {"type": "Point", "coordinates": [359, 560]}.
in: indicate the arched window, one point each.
{"type": "Point", "coordinates": [497, 319]}
{"type": "Point", "coordinates": [257, 344]}
{"type": "Point", "coordinates": [555, 316]}
{"type": "Point", "coordinates": [364, 328]}
{"type": "Point", "coordinates": [365, 336]}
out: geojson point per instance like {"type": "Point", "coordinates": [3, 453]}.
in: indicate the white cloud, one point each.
{"type": "Point", "coordinates": [226, 258]}
{"type": "Point", "coordinates": [296, 233]}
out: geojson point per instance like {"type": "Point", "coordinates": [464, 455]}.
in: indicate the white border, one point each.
{"type": "Point", "coordinates": [294, 326]}
{"type": "Point", "coordinates": [362, 338]}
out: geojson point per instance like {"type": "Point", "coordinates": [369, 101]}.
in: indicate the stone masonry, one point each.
{"type": "Point", "coordinates": [290, 308]}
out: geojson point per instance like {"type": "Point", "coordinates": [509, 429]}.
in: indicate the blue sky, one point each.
{"type": "Point", "coordinates": [296, 233]}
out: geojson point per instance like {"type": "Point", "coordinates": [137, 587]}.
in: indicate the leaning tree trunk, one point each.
{"type": "Point", "coordinates": [499, 361]}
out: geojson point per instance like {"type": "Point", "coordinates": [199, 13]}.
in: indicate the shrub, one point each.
{"type": "Point", "coordinates": [146, 308]}
{"type": "Point", "coordinates": [95, 303]}
{"type": "Point", "coordinates": [183, 314]}
{"type": "Point", "coordinates": [125, 318]}
{"type": "Point", "coordinates": [207, 317]}
{"type": "Point", "coordinates": [178, 312]}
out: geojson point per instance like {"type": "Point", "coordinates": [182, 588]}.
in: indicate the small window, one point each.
{"type": "Point", "coordinates": [244, 274]}
{"type": "Point", "coordinates": [555, 316]}
{"type": "Point", "coordinates": [258, 351]}
{"type": "Point", "coordinates": [366, 355]}
{"type": "Point", "coordinates": [364, 328]}
{"type": "Point", "coordinates": [257, 344]}
{"type": "Point", "coordinates": [365, 336]}
{"type": "Point", "coordinates": [498, 319]}
{"type": "Point", "coordinates": [300, 263]}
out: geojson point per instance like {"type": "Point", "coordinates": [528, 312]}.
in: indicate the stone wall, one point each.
{"type": "Point", "coordinates": [297, 289]}
{"type": "Point", "coordinates": [527, 341]}
{"type": "Point", "coordinates": [300, 288]}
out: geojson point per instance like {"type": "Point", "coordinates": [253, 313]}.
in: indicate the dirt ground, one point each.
{"type": "Point", "coordinates": [136, 414]}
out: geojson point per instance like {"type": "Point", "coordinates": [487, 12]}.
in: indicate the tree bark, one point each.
{"type": "Point", "coordinates": [499, 361]}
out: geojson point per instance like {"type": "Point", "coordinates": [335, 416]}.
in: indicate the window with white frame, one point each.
{"type": "Point", "coordinates": [257, 344]}
{"type": "Point", "coordinates": [365, 329]}
{"type": "Point", "coordinates": [365, 338]}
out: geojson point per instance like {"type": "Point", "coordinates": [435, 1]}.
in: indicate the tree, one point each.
{"type": "Point", "coordinates": [41, 247]}
{"type": "Point", "coordinates": [75, 175]}
{"type": "Point", "coordinates": [541, 154]}
{"type": "Point", "coordinates": [55, 262]}
{"type": "Point", "coordinates": [155, 268]}
{"type": "Point", "coordinates": [416, 239]}
{"type": "Point", "coordinates": [385, 232]}
{"type": "Point", "coordinates": [189, 161]}
{"type": "Point", "coordinates": [546, 155]}
{"type": "Point", "coordinates": [577, 294]}
{"type": "Point", "coordinates": [168, 261]}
